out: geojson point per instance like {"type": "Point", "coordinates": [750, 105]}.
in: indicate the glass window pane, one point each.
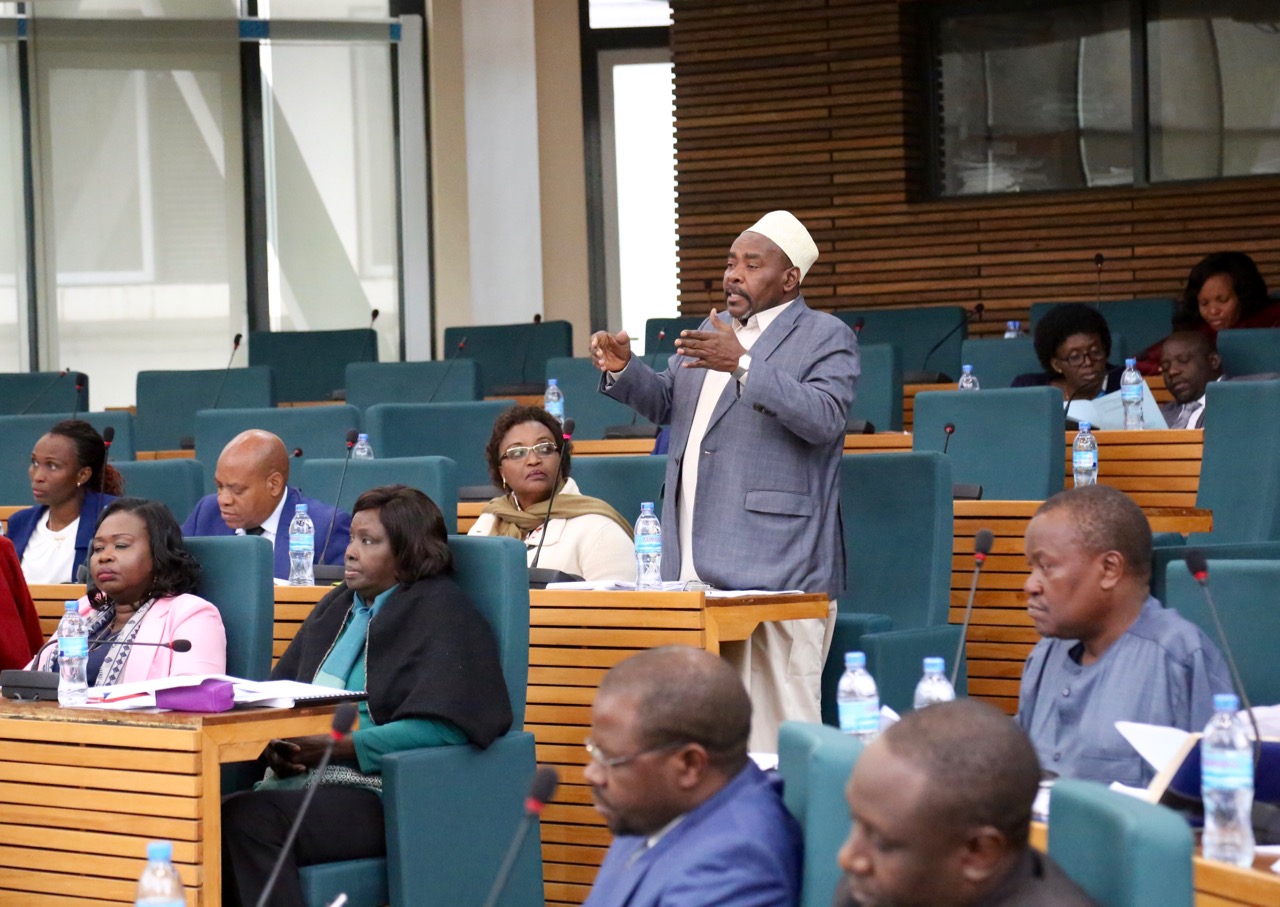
{"type": "Point", "coordinates": [629, 13]}
{"type": "Point", "coordinates": [324, 9]}
{"type": "Point", "coordinates": [13, 239]}
{"type": "Point", "coordinates": [1034, 99]}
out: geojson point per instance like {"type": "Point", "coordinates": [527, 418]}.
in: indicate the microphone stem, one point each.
{"type": "Point", "coordinates": [287, 848]}
{"type": "Point", "coordinates": [1235, 672]}
{"type": "Point", "coordinates": [964, 624]}
{"type": "Point", "coordinates": [509, 862]}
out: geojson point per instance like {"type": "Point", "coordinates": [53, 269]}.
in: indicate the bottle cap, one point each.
{"type": "Point", "coordinates": [646, 506]}
{"type": "Point", "coordinates": [362, 437]}
{"type": "Point", "coordinates": [966, 368]}
{"type": "Point", "coordinates": [1085, 426]}
{"type": "Point", "coordinates": [551, 382]}
{"type": "Point", "coordinates": [69, 607]}
{"type": "Point", "coordinates": [854, 660]}
{"type": "Point", "coordinates": [1128, 363]}
{"type": "Point", "coordinates": [934, 664]}
{"type": "Point", "coordinates": [1225, 702]}
{"type": "Point", "coordinates": [159, 851]}
{"type": "Point", "coordinates": [300, 508]}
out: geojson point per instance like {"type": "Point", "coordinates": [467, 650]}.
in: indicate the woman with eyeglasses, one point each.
{"type": "Point", "coordinates": [584, 535]}
{"type": "Point", "coordinates": [1073, 344]}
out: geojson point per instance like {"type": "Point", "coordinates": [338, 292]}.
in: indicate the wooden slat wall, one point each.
{"type": "Point", "coordinates": [814, 106]}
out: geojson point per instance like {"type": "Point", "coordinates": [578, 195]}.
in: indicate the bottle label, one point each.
{"type": "Point", "coordinates": [648, 544]}
{"type": "Point", "coordinates": [1084, 459]}
{"type": "Point", "coordinates": [73, 646]}
{"type": "Point", "coordinates": [1131, 393]}
{"type": "Point", "coordinates": [302, 542]}
{"type": "Point", "coordinates": [1226, 769]}
{"type": "Point", "coordinates": [860, 716]}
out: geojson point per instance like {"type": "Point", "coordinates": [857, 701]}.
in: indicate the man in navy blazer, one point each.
{"type": "Point", "coordinates": [757, 400]}
{"type": "Point", "coordinates": [695, 821]}
{"type": "Point", "coordinates": [254, 497]}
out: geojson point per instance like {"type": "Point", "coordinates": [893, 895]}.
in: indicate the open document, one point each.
{"type": "Point", "coordinates": [263, 693]}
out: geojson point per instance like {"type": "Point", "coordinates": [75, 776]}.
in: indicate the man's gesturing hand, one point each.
{"type": "Point", "coordinates": [717, 349]}
{"type": "Point", "coordinates": [610, 352]}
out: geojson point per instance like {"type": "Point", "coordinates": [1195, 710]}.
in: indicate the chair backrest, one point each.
{"type": "Point", "coordinates": [436, 477]}
{"type": "Point", "coordinates": [897, 514]}
{"type": "Point", "coordinates": [815, 762]}
{"type": "Point", "coordinates": [591, 410]}
{"type": "Point", "coordinates": [670, 329]}
{"type": "Point", "coordinates": [20, 434]}
{"type": "Point", "coordinates": [1008, 441]}
{"type": "Point", "coordinates": [310, 365]}
{"type": "Point", "coordinates": [235, 574]}
{"type": "Point", "coordinates": [1122, 851]}
{"type": "Point", "coordinates": [494, 573]}
{"type": "Point", "coordinates": [879, 398]}
{"type": "Point", "coordinates": [320, 431]}
{"type": "Point", "coordinates": [178, 484]}
{"type": "Point", "coordinates": [624, 482]}
{"type": "Point", "coordinates": [997, 362]}
{"type": "Point", "coordinates": [1240, 467]}
{"type": "Point", "coordinates": [914, 331]}
{"type": "Point", "coordinates": [1249, 352]}
{"type": "Point", "coordinates": [412, 382]}
{"type": "Point", "coordinates": [458, 431]}
{"type": "Point", "coordinates": [1245, 593]}
{"type": "Point", "coordinates": [511, 353]}
{"type": "Point", "coordinates": [43, 392]}
{"type": "Point", "coordinates": [169, 400]}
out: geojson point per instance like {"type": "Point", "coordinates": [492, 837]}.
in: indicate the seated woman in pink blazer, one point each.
{"type": "Point", "coordinates": [140, 591]}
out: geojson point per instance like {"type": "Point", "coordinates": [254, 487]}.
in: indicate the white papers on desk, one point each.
{"type": "Point", "coordinates": [1107, 412]}
{"type": "Point", "coordinates": [669, 586]}
{"type": "Point", "coordinates": [141, 694]}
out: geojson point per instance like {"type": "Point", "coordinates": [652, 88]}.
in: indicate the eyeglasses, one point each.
{"type": "Point", "coordinates": [1077, 357]}
{"type": "Point", "coordinates": [600, 759]}
{"type": "Point", "coordinates": [545, 449]}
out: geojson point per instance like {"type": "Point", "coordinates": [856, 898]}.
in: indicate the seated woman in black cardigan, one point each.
{"type": "Point", "coordinates": [1073, 344]}
{"type": "Point", "coordinates": [434, 679]}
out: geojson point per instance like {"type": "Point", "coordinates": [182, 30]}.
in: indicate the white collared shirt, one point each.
{"type": "Point", "coordinates": [271, 525]}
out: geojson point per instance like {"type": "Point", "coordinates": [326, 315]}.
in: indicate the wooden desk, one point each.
{"type": "Point", "coordinates": [1001, 634]}
{"type": "Point", "coordinates": [84, 790]}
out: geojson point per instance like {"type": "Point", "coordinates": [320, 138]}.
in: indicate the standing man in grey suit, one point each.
{"type": "Point", "coordinates": [757, 399]}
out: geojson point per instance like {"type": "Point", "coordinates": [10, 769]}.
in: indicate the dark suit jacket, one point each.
{"type": "Point", "coordinates": [23, 523]}
{"type": "Point", "coordinates": [206, 519]}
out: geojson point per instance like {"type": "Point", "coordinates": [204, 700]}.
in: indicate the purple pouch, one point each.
{"type": "Point", "coordinates": [207, 696]}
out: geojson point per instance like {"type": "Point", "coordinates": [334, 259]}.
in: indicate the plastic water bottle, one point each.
{"type": "Point", "coordinates": [302, 548]}
{"type": "Point", "coordinates": [159, 884]}
{"type": "Point", "coordinates": [1012, 330]}
{"type": "Point", "coordinates": [858, 699]}
{"type": "Point", "coordinates": [648, 549]}
{"type": "Point", "coordinates": [1131, 384]}
{"type": "Point", "coordinates": [968, 380]}
{"type": "Point", "coordinates": [362, 450]}
{"type": "Point", "coordinates": [1226, 784]}
{"type": "Point", "coordinates": [1084, 457]}
{"type": "Point", "coordinates": [73, 657]}
{"type": "Point", "coordinates": [933, 686]}
{"type": "Point", "coordinates": [553, 400]}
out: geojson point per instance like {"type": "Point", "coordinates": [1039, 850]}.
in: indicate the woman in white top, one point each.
{"type": "Point", "coordinates": [70, 478]}
{"type": "Point", "coordinates": [584, 535]}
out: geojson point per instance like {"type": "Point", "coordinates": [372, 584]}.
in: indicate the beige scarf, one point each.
{"type": "Point", "coordinates": [510, 520]}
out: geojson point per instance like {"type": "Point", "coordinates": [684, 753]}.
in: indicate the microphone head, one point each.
{"type": "Point", "coordinates": [569, 426]}
{"type": "Point", "coordinates": [373, 316]}
{"type": "Point", "coordinates": [235, 344]}
{"type": "Point", "coordinates": [462, 344]}
{"type": "Point", "coordinates": [858, 323]}
{"type": "Point", "coordinates": [1197, 564]}
{"type": "Point", "coordinates": [1098, 260]}
{"type": "Point", "coordinates": [352, 437]}
{"type": "Point", "coordinates": [344, 719]}
{"type": "Point", "coordinates": [108, 435]}
{"type": "Point", "coordinates": [181, 645]}
{"type": "Point", "coordinates": [978, 309]}
{"type": "Point", "coordinates": [949, 428]}
{"type": "Point", "coordinates": [81, 378]}
{"type": "Point", "coordinates": [297, 452]}
{"type": "Point", "coordinates": [983, 541]}
{"type": "Point", "coordinates": [662, 335]}
{"type": "Point", "coordinates": [545, 781]}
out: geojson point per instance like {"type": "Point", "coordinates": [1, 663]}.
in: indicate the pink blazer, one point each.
{"type": "Point", "coordinates": [181, 617]}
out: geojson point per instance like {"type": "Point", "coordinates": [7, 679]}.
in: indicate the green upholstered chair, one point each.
{"type": "Point", "coordinates": [55, 393]}
{"type": "Point", "coordinates": [1249, 352]}
{"type": "Point", "coordinates": [458, 431]}
{"type": "Point", "coordinates": [670, 329]}
{"type": "Point", "coordinates": [591, 410]}
{"type": "Point", "coordinates": [815, 762]}
{"type": "Point", "coordinates": [896, 510]}
{"type": "Point", "coordinates": [436, 477]}
{"type": "Point", "coordinates": [1139, 322]}
{"type": "Point", "coordinates": [914, 331]}
{"type": "Point", "coordinates": [1245, 593]}
{"type": "Point", "coordinates": [451, 811]}
{"type": "Point", "coordinates": [510, 355]}
{"type": "Point", "coordinates": [235, 575]}
{"type": "Point", "coordinates": [178, 484]}
{"type": "Point", "coordinates": [310, 365]}
{"type": "Point", "coordinates": [20, 434]}
{"type": "Point", "coordinates": [997, 362]}
{"type": "Point", "coordinates": [1009, 441]}
{"type": "Point", "coordinates": [320, 431]}
{"type": "Point", "coordinates": [1122, 851]}
{"type": "Point", "coordinates": [624, 482]}
{"type": "Point", "coordinates": [169, 400]}
{"type": "Point", "coordinates": [456, 381]}
{"type": "Point", "coordinates": [879, 398]}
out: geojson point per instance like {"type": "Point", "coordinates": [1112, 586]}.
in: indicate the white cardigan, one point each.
{"type": "Point", "coordinates": [591, 546]}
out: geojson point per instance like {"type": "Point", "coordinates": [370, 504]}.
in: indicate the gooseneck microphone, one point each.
{"type": "Point", "coordinates": [81, 378]}
{"type": "Point", "coordinates": [858, 324]}
{"type": "Point", "coordinates": [38, 685]}
{"type": "Point", "coordinates": [924, 376]}
{"type": "Point", "coordinates": [297, 453]}
{"type": "Point", "coordinates": [982, 543]}
{"type": "Point", "coordinates": [453, 357]}
{"type": "Point", "coordinates": [539, 577]}
{"type": "Point", "coordinates": [320, 570]}
{"type": "Point", "coordinates": [1199, 569]}
{"type": "Point", "coordinates": [545, 781]}
{"type": "Point", "coordinates": [235, 345]}
{"type": "Point", "coordinates": [1097, 264]}
{"type": "Point", "coordinates": [44, 392]}
{"type": "Point", "coordinates": [108, 435]}
{"type": "Point", "coordinates": [949, 429]}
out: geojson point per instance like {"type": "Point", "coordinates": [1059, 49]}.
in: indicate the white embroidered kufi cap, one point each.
{"type": "Point", "coordinates": [789, 235]}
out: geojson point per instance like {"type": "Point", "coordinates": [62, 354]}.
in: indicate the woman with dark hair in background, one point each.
{"type": "Point", "coordinates": [402, 629]}
{"type": "Point", "coordinates": [1073, 343]}
{"type": "Point", "coordinates": [140, 584]}
{"type": "Point", "coordinates": [69, 477]}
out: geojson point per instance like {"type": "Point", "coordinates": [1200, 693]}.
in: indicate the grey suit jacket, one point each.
{"type": "Point", "coordinates": [767, 513]}
{"type": "Point", "coordinates": [1172, 408]}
